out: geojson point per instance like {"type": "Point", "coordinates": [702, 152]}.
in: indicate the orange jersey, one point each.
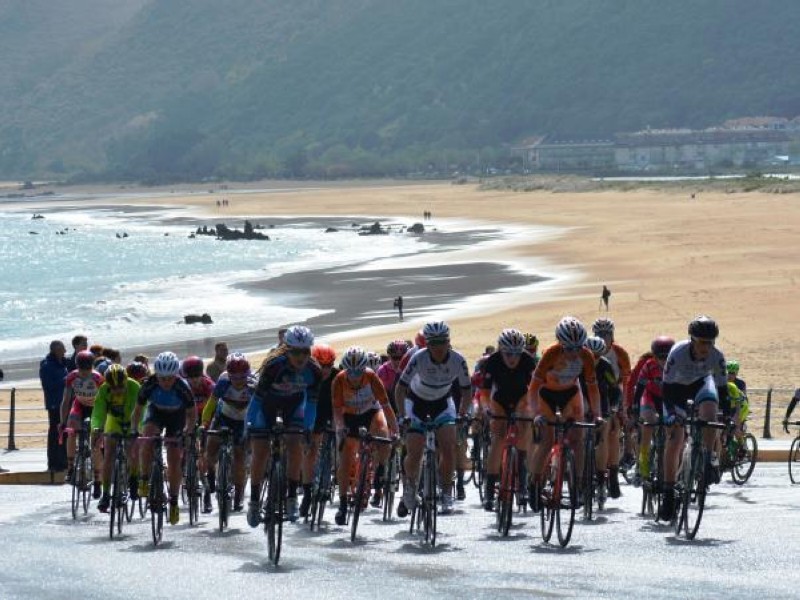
{"type": "Point", "coordinates": [349, 400]}
{"type": "Point", "coordinates": [559, 370]}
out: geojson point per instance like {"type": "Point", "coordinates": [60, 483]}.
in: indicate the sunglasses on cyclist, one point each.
{"type": "Point", "coordinates": [355, 372]}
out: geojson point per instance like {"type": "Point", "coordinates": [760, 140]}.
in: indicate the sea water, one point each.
{"type": "Point", "coordinates": [135, 290]}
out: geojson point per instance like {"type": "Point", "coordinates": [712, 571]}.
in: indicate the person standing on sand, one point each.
{"type": "Point", "coordinates": [79, 342]}
{"type": "Point", "coordinates": [398, 304]}
{"type": "Point", "coordinates": [52, 373]}
{"type": "Point", "coordinates": [605, 296]}
{"type": "Point", "coordinates": [217, 366]}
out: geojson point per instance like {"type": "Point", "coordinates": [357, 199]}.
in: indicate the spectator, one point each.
{"type": "Point", "coordinates": [217, 366]}
{"type": "Point", "coordinates": [79, 342]}
{"type": "Point", "coordinates": [398, 304]}
{"type": "Point", "coordinates": [52, 372]}
{"type": "Point", "coordinates": [605, 296]}
{"type": "Point", "coordinates": [142, 359]}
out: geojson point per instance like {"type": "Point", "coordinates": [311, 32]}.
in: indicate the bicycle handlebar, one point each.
{"type": "Point", "coordinates": [365, 435]}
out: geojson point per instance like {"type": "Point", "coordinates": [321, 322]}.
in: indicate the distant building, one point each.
{"type": "Point", "coordinates": [551, 153]}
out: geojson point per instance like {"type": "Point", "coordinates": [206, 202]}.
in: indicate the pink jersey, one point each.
{"type": "Point", "coordinates": [202, 389]}
{"type": "Point", "coordinates": [651, 376]}
{"type": "Point", "coordinates": [388, 375]}
{"type": "Point", "coordinates": [84, 389]}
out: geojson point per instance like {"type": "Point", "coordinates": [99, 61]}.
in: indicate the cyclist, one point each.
{"type": "Point", "coordinates": [288, 383]}
{"type": "Point", "coordinates": [621, 364]}
{"type": "Point", "coordinates": [227, 407]}
{"type": "Point", "coordinates": [506, 376]}
{"type": "Point", "coordinates": [168, 406]}
{"type": "Point", "coordinates": [359, 400]}
{"type": "Point", "coordinates": [649, 395]}
{"type": "Point", "coordinates": [532, 347]}
{"type": "Point", "coordinates": [113, 407]}
{"type": "Point", "coordinates": [554, 386]}
{"type": "Point", "coordinates": [606, 381]}
{"type": "Point", "coordinates": [425, 392]}
{"type": "Point", "coordinates": [737, 395]}
{"type": "Point", "coordinates": [326, 358]}
{"type": "Point", "coordinates": [389, 372]}
{"type": "Point", "coordinates": [202, 386]}
{"type": "Point", "coordinates": [695, 369]}
{"type": "Point", "coordinates": [419, 344]}
{"type": "Point", "coordinates": [732, 367]}
{"type": "Point", "coordinates": [80, 390]}
{"type": "Point", "coordinates": [137, 371]}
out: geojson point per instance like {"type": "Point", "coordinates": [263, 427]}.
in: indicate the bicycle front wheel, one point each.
{"type": "Point", "coordinates": [565, 517]}
{"type": "Point", "coordinates": [88, 477]}
{"type": "Point", "coordinates": [549, 498]}
{"type": "Point", "coordinates": [273, 513]}
{"type": "Point", "coordinates": [429, 498]}
{"type": "Point", "coordinates": [361, 494]}
{"type": "Point", "coordinates": [694, 496]}
{"type": "Point", "coordinates": [77, 486]}
{"type": "Point", "coordinates": [157, 503]}
{"type": "Point", "coordinates": [191, 485]}
{"type": "Point", "coordinates": [794, 461]}
{"type": "Point", "coordinates": [508, 478]}
{"type": "Point", "coordinates": [745, 460]}
{"type": "Point", "coordinates": [117, 504]}
{"type": "Point", "coordinates": [223, 493]}
{"type": "Point", "coordinates": [588, 477]}
{"type": "Point", "coordinates": [390, 485]}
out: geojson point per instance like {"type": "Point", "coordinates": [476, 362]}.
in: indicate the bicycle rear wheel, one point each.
{"type": "Point", "coordinates": [390, 485]}
{"type": "Point", "coordinates": [88, 477]}
{"type": "Point", "coordinates": [565, 517]}
{"type": "Point", "coordinates": [548, 501]}
{"type": "Point", "coordinates": [505, 500]}
{"type": "Point", "coordinates": [190, 485]}
{"type": "Point", "coordinates": [322, 487]}
{"type": "Point", "coordinates": [745, 460]}
{"type": "Point", "coordinates": [649, 493]}
{"type": "Point", "coordinates": [589, 468]}
{"type": "Point", "coordinates": [156, 500]}
{"type": "Point", "coordinates": [273, 513]}
{"type": "Point", "coordinates": [223, 491]}
{"type": "Point", "coordinates": [77, 485]}
{"type": "Point", "coordinates": [117, 501]}
{"type": "Point", "coordinates": [794, 461]}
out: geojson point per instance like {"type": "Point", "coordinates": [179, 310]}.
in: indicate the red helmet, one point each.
{"type": "Point", "coordinates": [419, 340]}
{"type": "Point", "coordinates": [661, 346]}
{"type": "Point", "coordinates": [137, 371]}
{"type": "Point", "coordinates": [84, 360]}
{"type": "Point", "coordinates": [192, 366]}
{"type": "Point", "coordinates": [237, 364]}
{"type": "Point", "coordinates": [324, 354]}
{"type": "Point", "coordinates": [397, 348]}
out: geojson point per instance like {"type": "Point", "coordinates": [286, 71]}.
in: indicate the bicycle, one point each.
{"type": "Point", "coordinates": [224, 474]}
{"type": "Point", "coordinates": [190, 490]}
{"type": "Point", "coordinates": [391, 482]}
{"type": "Point", "coordinates": [119, 509]}
{"type": "Point", "coordinates": [738, 455]}
{"type": "Point", "coordinates": [692, 484]}
{"type": "Point", "coordinates": [425, 511]}
{"type": "Point", "coordinates": [274, 490]}
{"type": "Point", "coordinates": [157, 494]}
{"type": "Point", "coordinates": [558, 497]}
{"type": "Point", "coordinates": [365, 470]}
{"type": "Point", "coordinates": [512, 485]}
{"type": "Point", "coordinates": [794, 454]}
{"type": "Point", "coordinates": [82, 470]}
{"type": "Point", "coordinates": [653, 484]}
{"type": "Point", "coordinates": [479, 454]}
{"type": "Point", "coordinates": [594, 483]}
{"type": "Point", "coordinates": [324, 474]}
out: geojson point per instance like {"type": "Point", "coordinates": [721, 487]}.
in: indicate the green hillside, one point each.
{"type": "Point", "coordinates": [192, 88]}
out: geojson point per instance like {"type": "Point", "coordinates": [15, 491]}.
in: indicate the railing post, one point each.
{"type": "Point", "coordinates": [11, 415]}
{"type": "Point", "coordinates": [767, 414]}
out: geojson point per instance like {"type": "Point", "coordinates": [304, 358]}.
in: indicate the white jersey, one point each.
{"type": "Point", "coordinates": [682, 368]}
{"type": "Point", "coordinates": [428, 380]}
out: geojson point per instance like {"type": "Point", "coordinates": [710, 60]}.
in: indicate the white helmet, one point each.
{"type": "Point", "coordinates": [571, 332]}
{"type": "Point", "coordinates": [167, 364]}
{"type": "Point", "coordinates": [355, 359]}
{"type": "Point", "coordinates": [603, 326]}
{"type": "Point", "coordinates": [511, 341]}
{"type": "Point", "coordinates": [437, 331]}
{"type": "Point", "coordinates": [298, 336]}
{"type": "Point", "coordinates": [596, 345]}
{"type": "Point", "coordinates": [374, 360]}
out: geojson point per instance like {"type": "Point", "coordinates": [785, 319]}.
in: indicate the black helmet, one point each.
{"type": "Point", "coordinates": [703, 327]}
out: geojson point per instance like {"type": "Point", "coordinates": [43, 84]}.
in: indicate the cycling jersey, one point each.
{"type": "Point", "coordinates": [605, 381]}
{"type": "Point", "coordinates": [282, 388]}
{"type": "Point", "coordinates": [430, 381]}
{"type": "Point", "coordinates": [202, 388]}
{"type": "Point", "coordinates": [620, 362]}
{"type": "Point", "coordinates": [229, 401]}
{"type": "Point", "coordinates": [83, 389]}
{"type": "Point", "coordinates": [178, 397]}
{"type": "Point", "coordinates": [682, 367]}
{"type": "Point", "coordinates": [388, 376]}
{"type": "Point", "coordinates": [739, 402]}
{"type": "Point", "coordinates": [507, 386]}
{"type": "Point", "coordinates": [113, 411]}
{"type": "Point", "coordinates": [652, 385]}
{"type": "Point", "coordinates": [558, 371]}
{"type": "Point", "coordinates": [631, 391]}
{"type": "Point", "coordinates": [350, 400]}
{"type": "Point", "coordinates": [324, 416]}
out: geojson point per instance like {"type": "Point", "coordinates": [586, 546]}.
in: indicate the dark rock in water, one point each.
{"type": "Point", "coordinates": [417, 228]}
{"type": "Point", "coordinates": [272, 226]}
{"type": "Point", "coordinates": [119, 237]}
{"type": "Point", "coordinates": [124, 234]}
{"type": "Point", "coordinates": [37, 216]}
{"type": "Point", "coordinates": [226, 233]}
{"type": "Point", "coordinates": [33, 232]}
{"type": "Point", "coordinates": [374, 229]}
{"type": "Point", "coordinates": [192, 236]}
{"type": "Point", "coordinates": [353, 224]}
{"type": "Point", "coordinates": [166, 234]}
{"type": "Point", "coordinates": [205, 319]}
{"type": "Point", "coordinates": [331, 230]}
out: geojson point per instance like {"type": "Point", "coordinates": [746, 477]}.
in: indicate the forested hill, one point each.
{"type": "Point", "coordinates": [189, 88]}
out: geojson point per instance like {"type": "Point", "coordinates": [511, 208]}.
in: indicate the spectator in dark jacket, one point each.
{"type": "Point", "coordinates": [52, 373]}
{"type": "Point", "coordinates": [79, 342]}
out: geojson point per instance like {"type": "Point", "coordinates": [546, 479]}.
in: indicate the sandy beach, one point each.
{"type": "Point", "coordinates": [664, 255]}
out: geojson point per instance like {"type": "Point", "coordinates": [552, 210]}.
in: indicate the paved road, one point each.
{"type": "Point", "coordinates": [748, 545]}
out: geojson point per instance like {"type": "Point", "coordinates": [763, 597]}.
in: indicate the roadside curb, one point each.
{"type": "Point", "coordinates": [32, 478]}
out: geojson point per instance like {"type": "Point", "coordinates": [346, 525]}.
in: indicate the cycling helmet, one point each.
{"type": "Point", "coordinates": [597, 345]}
{"type": "Point", "coordinates": [355, 359]}
{"type": "Point", "coordinates": [115, 375]}
{"type": "Point", "coordinates": [531, 341]}
{"type": "Point", "coordinates": [732, 367]}
{"type": "Point", "coordinates": [661, 346]}
{"type": "Point", "coordinates": [84, 360]}
{"type": "Point", "coordinates": [436, 331]}
{"type": "Point", "coordinates": [397, 348]}
{"type": "Point", "coordinates": [374, 360]}
{"type": "Point", "coordinates": [237, 364]}
{"type": "Point", "coordinates": [419, 339]}
{"type": "Point", "coordinates": [324, 355]}
{"type": "Point", "coordinates": [167, 365]}
{"type": "Point", "coordinates": [571, 333]}
{"type": "Point", "coordinates": [192, 366]}
{"type": "Point", "coordinates": [704, 328]}
{"type": "Point", "coordinates": [298, 336]}
{"type": "Point", "coordinates": [137, 370]}
{"type": "Point", "coordinates": [603, 326]}
{"type": "Point", "coordinates": [511, 341]}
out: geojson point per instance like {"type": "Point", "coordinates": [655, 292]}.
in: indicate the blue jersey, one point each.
{"type": "Point", "coordinates": [179, 396]}
{"type": "Point", "coordinates": [281, 385]}
{"type": "Point", "coordinates": [232, 402]}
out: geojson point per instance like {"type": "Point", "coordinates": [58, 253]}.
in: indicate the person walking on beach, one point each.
{"type": "Point", "coordinates": [52, 373]}
{"type": "Point", "coordinates": [605, 296]}
{"type": "Point", "coordinates": [398, 304]}
{"type": "Point", "coordinates": [217, 366]}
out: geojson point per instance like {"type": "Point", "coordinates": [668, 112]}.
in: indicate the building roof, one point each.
{"type": "Point", "coordinates": [707, 136]}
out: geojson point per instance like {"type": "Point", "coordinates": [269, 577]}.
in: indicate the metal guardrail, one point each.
{"type": "Point", "coordinates": [12, 421]}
